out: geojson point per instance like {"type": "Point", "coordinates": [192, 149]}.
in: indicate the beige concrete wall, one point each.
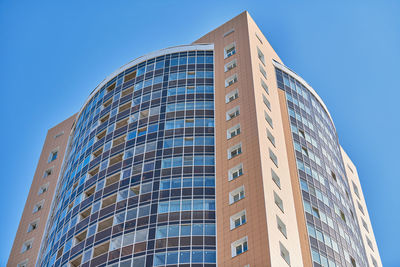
{"type": "Point", "coordinates": [352, 176]}
{"type": "Point", "coordinates": [261, 227]}
{"type": "Point", "coordinates": [51, 143]}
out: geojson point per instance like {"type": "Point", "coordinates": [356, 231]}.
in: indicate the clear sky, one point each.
{"type": "Point", "coordinates": [54, 53]}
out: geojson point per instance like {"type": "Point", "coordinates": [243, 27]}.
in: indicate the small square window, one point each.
{"type": "Point", "coordinates": [232, 96]}
{"type": "Point", "coordinates": [43, 189]}
{"type": "Point", "coordinates": [236, 195]}
{"type": "Point", "coordinates": [27, 246]}
{"type": "Point", "coordinates": [271, 138]}
{"type": "Point", "coordinates": [53, 155]}
{"type": "Point", "coordinates": [47, 172]}
{"type": "Point", "coordinates": [268, 119]}
{"type": "Point", "coordinates": [234, 151]}
{"type": "Point", "coordinates": [229, 50]}
{"type": "Point", "coordinates": [260, 56]}
{"type": "Point", "coordinates": [235, 172]}
{"type": "Point", "coordinates": [284, 253]}
{"type": "Point", "coordinates": [273, 157]}
{"type": "Point", "coordinates": [232, 132]}
{"type": "Point", "coordinates": [238, 219]}
{"type": "Point", "coordinates": [231, 80]}
{"type": "Point", "coordinates": [33, 226]}
{"type": "Point", "coordinates": [281, 226]}
{"type": "Point", "coordinates": [38, 206]}
{"type": "Point", "coordinates": [238, 247]}
{"type": "Point", "coordinates": [233, 113]}
{"type": "Point", "coordinates": [278, 201]}
{"type": "Point", "coordinates": [276, 178]}
{"type": "Point", "coordinates": [230, 65]}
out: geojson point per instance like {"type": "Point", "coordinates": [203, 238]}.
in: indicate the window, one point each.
{"type": "Point", "coordinates": [238, 219]}
{"type": "Point", "coordinates": [353, 262]}
{"type": "Point", "coordinates": [231, 80]}
{"type": "Point", "coordinates": [369, 243]}
{"type": "Point", "coordinates": [232, 113]}
{"type": "Point", "coordinates": [281, 226]}
{"type": "Point", "coordinates": [59, 134]}
{"type": "Point", "coordinates": [38, 206]}
{"type": "Point", "coordinates": [273, 157]}
{"type": "Point", "coordinates": [232, 96]}
{"type": "Point", "coordinates": [236, 195]}
{"type": "Point", "coordinates": [262, 70]}
{"type": "Point", "coordinates": [268, 119]}
{"type": "Point", "coordinates": [229, 32]}
{"type": "Point", "coordinates": [27, 246]}
{"type": "Point", "coordinates": [276, 178]}
{"type": "Point", "coordinates": [235, 172]}
{"type": "Point", "coordinates": [235, 151]}
{"type": "Point", "coordinates": [356, 190]}
{"type": "Point", "coordinates": [230, 65]}
{"type": "Point", "coordinates": [374, 262]}
{"type": "Point", "coordinates": [47, 172]}
{"type": "Point", "coordinates": [43, 189]}
{"type": "Point", "coordinates": [343, 216]}
{"type": "Point", "coordinates": [266, 102]}
{"type": "Point", "coordinates": [284, 253]}
{"type": "Point", "coordinates": [271, 138]}
{"type": "Point", "coordinates": [23, 264]}
{"type": "Point", "coordinates": [260, 55]}
{"type": "Point", "coordinates": [229, 50]}
{"type": "Point", "coordinates": [33, 225]}
{"type": "Point", "coordinates": [264, 86]}
{"type": "Point", "coordinates": [364, 224]}
{"type": "Point", "coordinates": [278, 201]}
{"type": "Point", "coordinates": [360, 207]}
{"type": "Point", "coordinates": [53, 155]}
{"type": "Point", "coordinates": [239, 246]}
{"type": "Point", "coordinates": [232, 132]}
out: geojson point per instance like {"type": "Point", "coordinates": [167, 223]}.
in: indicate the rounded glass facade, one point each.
{"type": "Point", "coordinates": [138, 182]}
{"type": "Point", "coordinates": [333, 230]}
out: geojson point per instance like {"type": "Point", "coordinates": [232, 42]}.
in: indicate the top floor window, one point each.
{"type": "Point", "coordinates": [229, 50]}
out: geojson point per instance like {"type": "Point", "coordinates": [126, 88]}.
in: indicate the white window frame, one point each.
{"type": "Point", "coordinates": [233, 113]}
{"type": "Point", "coordinates": [37, 205]}
{"type": "Point", "coordinates": [237, 243]}
{"type": "Point", "coordinates": [230, 65]}
{"type": "Point", "coordinates": [238, 216]}
{"type": "Point", "coordinates": [237, 168]}
{"type": "Point", "coordinates": [43, 189]}
{"type": "Point", "coordinates": [273, 157]}
{"type": "Point", "coordinates": [284, 253]}
{"type": "Point", "coordinates": [54, 151]}
{"type": "Point", "coordinates": [278, 202]}
{"type": "Point", "coordinates": [46, 172]}
{"type": "Point", "coordinates": [233, 131]}
{"type": "Point", "coordinates": [268, 119]}
{"type": "Point", "coordinates": [30, 226]}
{"type": "Point", "coordinates": [27, 245]}
{"type": "Point", "coordinates": [229, 50]}
{"type": "Point", "coordinates": [271, 138]}
{"type": "Point", "coordinates": [235, 192]}
{"type": "Point", "coordinates": [237, 149]}
{"type": "Point", "coordinates": [260, 55]}
{"type": "Point", "coordinates": [231, 80]}
{"type": "Point", "coordinates": [281, 226]}
{"type": "Point", "coordinates": [232, 95]}
{"type": "Point", "coordinates": [262, 70]}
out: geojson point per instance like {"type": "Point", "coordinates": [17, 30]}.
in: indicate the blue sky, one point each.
{"type": "Point", "coordinates": [54, 53]}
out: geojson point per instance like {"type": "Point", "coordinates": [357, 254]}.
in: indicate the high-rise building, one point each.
{"type": "Point", "coordinates": [213, 153]}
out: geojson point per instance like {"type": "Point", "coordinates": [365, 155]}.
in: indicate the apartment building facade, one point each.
{"type": "Point", "coordinates": [213, 153]}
